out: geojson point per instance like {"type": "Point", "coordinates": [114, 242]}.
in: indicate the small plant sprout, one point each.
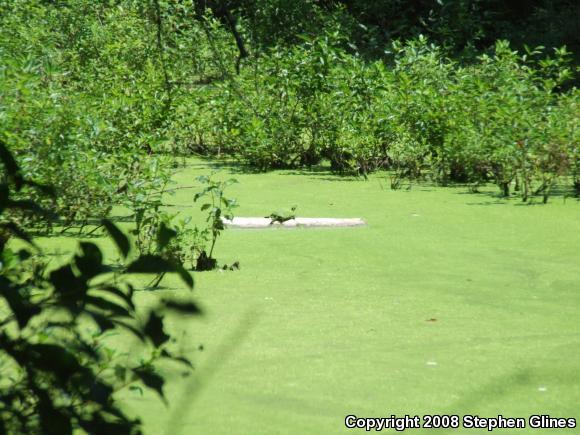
{"type": "Point", "coordinates": [217, 206]}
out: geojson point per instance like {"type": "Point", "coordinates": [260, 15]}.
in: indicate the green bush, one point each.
{"type": "Point", "coordinates": [59, 375]}
{"type": "Point", "coordinates": [501, 118]}
{"type": "Point", "coordinates": [92, 93]}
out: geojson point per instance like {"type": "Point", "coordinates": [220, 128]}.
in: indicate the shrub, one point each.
{"type": "Point", "coordinates": [58, 374]}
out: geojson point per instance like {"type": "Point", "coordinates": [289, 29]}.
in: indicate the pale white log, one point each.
{"type": "Point", "coordinates": [261, 222]}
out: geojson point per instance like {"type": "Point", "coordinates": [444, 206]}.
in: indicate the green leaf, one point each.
{"type": "Point", "coordinates": [181, 359]}
{"type": "Point", "coordinates": [29, 205]}
{"type": "Point", "coordinates": [110, 307]}
{"type": "Point", "coordinates": [24, 254]}
{"type": "Point", "coordinates": [120, 239]}
{"type": "Point", "coordinates": [6, 157]}
{"type": "Point", "coordinates": [66, 282]}
{"type": "Point", "coordinates": [128, 298]}
{"type": "Point", "coordinates": [151, 380]}
{"type": "Point", "coordinates": [22, 308]}
{"type": "Point", "coordinates": [90, 262]}
{"type": "Point", "coordinates": [97, 424]}
{"type": "Point", "coordinates": [183, 307]}
{"type": "Point", "coordinates": [130, 328]}
{"type": "Point", "coordinates": [52, 420]}
{"type": "Point", "coordinates": [156, 264]}
{"type": "Point", "coordinates": [55, 359]}
{"type": "Point", "coordinates": [185, 276]}
{"type": "Point", "coordinates": [150, 264]}
{"type": "Point", "coordinates": [102, 321]}
{"type": "Point", "coordinates": [4, 196]}
{"type": "Point", "coordinates": [164, 235]}
{"type": "Point", "coordinates": [154, 330]}
{"type": "Point", "coordinates": [120, 373]}
{"type": "Point", "coordinates": [100, 392]}
{"type": "Point", "coordinates": [18, 232]}
{"type": "Point", "coordinates": [136, 388]}
{"type": "Point", "coordinates": [43, 188]}
{"type": "Point", "coordinates": [10, 165]}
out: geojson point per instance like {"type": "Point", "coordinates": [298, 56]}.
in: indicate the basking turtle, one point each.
{"type": "Point", "coordinates": [282, 216]}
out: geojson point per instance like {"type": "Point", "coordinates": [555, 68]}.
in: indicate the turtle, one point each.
{"type": "Point", "coordinates": [282, 216]}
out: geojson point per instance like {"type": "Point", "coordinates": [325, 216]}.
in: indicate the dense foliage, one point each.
{"type": "Point", "coordinates": [86, 97]}
{"type": "Point", "coordinates": [58, 373]}
{"type": "Point", "coordinates": [500, 117]}
{"type": "Point", "coordinates": [115, 86]}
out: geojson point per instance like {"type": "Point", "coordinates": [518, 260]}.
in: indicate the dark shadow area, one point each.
{"type": "Point", "coordinates": [152, 288]}
{"type": "Point", "coordinates": [335, 178]}
{"type": "Point", "coordinates": [88, 229]}
{"type": "Point", "coordinates": [217, 164]}
{"type": "Point", "coordinates": [69, 232]}
{"type": "Point", "coordinates": [213, 164]}
{"type": "Point", "coordinates": [558, 193]}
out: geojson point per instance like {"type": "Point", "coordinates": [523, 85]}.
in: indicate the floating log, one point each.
{"type": "Point", "coordinates": [261, 222]}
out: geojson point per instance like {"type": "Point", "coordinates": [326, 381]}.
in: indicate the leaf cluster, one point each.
{"type": "Point", "coordinates": [58, 374]}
